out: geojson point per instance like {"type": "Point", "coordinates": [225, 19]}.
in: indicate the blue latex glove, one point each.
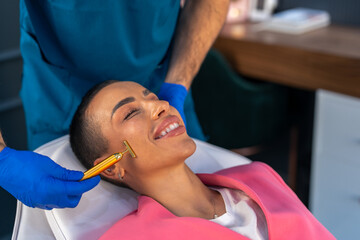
{"type": "Point", "coordinates": [37, 181]}
{"type": "Point", "coordinates": [175, 94]}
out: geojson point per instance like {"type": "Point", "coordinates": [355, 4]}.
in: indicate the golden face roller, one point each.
{"type": "Point", "coordinates": [108, 162]}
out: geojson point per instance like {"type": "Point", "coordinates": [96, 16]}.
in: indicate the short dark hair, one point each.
{"type": "Point", "coordinates": [86, 139]}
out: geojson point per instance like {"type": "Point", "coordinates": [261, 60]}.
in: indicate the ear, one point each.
{"type": "Point", "coordinates": [121, 173]}
{"type": "Point", "coordinates": [111, 172]}
{"type": "Point", "coordinates": [114, 172]}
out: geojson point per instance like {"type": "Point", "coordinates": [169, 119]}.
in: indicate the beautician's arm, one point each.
{"type": "Point", "coordinates": [37, 181]}
{"type": "Point", "coordinates": [199, 24]}
{"type": "Point", "coordinates": [2, 143]}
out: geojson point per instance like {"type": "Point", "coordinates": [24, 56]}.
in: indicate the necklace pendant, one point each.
{"type": "Point", "coordinates": [215, 215]}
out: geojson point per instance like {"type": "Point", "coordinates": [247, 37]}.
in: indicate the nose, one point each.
{"type": "Point", "coordinates": [159, 108]}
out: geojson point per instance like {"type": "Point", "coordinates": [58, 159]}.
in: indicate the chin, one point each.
{"type": "Point", "coordinates": [189, 147]}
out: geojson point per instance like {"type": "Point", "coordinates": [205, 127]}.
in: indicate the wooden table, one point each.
{"type": "Point", "coordinates": [327, 58]}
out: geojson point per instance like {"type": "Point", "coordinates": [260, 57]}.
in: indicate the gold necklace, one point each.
{"type": "Point", "coordinates": [213, 202]}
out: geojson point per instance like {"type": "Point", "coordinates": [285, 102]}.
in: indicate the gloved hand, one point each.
{"type": "Point", "coordinates": [37, 181]}
{"type": "Point", "coordinates": [175, 94]}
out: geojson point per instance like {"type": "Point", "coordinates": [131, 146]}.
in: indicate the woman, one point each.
{"type": "Point", "coordinates": [245, 202]}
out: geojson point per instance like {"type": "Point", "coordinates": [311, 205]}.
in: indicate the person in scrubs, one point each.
{"type": "Point", "coordinates": [69, 46]}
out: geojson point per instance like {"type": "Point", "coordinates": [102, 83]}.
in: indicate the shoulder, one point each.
{"type": "Point", "coordinates": [251, 169]}
{"type": "Point", "coordinates": [149, 216]}
{"type": "Point", "coordinates": [255, 175]}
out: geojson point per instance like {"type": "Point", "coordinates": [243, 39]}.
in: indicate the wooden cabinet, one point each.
{"type": "Point", "coordinates": [335, 177]}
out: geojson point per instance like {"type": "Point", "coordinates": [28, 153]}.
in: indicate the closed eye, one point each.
{"type": "Point", "coordinates": [132, 113]}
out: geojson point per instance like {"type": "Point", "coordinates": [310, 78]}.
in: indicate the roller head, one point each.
{"type": "Point", "coordinates": [131, 151]}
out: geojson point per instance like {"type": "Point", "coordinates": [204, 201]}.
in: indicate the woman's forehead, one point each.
{"type": "Point", "coordinates": [119, 90]}
{"type": "Point", "coordinates": [111, 94]}
{"type": "Point", "coordinates": [125, 87]}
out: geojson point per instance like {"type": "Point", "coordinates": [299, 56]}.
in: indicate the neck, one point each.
{"type": "Point", "coordinates": [183, 194]}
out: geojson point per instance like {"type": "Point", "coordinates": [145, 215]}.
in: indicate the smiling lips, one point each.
{"type": "Point", "coordinates": [169, 127]}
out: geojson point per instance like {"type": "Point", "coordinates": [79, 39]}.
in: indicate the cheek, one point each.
{"type": "Point", "coordinates": [181, 150]}
{"type": "Point", "coordinates": [135, 129]}
{"type": "Point", "coordinates": [136, 133]}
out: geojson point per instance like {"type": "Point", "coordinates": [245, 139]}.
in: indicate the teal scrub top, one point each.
{"type": "Point", "coordinates": [70, 45]}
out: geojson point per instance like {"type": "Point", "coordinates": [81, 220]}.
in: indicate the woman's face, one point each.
{"type": "Point", "coordinates": [153, 128]}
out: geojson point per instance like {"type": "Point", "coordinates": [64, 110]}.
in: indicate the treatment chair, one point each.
{"type": "Point", "coordinates": [101, 207]}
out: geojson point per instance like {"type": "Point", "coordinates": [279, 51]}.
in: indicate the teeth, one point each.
{"type": "Point", "coordinates": [172, 127]}
{"type": "Point", "coordinates": [169, 129]}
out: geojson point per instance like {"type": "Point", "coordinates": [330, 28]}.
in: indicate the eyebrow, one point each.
{"type": "Point", "coordinates": [127, 100]}
{"type": "Point", "coordinates": [146, 92]}
{"type": "Point", "coordinates": [121, 103]}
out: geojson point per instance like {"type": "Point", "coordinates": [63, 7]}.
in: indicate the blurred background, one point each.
{"type": "Point", "coordinates": [280, 118]}
{"type": "Point", "coordinates": [12, 120]}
